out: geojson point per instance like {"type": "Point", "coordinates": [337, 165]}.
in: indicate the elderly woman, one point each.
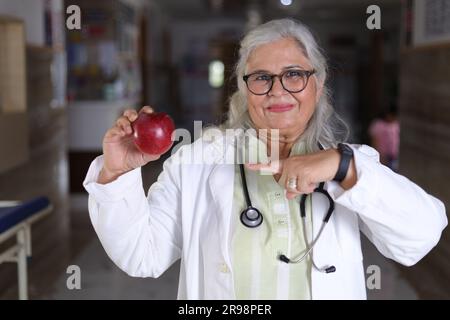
{"type": "Point", "coordinates": [248, 232]}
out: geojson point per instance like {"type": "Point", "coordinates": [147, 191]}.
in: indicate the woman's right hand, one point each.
{"type": "Point", "coordinates": [119, 151]}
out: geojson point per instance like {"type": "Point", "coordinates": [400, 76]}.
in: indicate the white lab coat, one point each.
{"type": "Point", "coordinates": [187, 215]}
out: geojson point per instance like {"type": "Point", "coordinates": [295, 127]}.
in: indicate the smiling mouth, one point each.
{"type": "Point", "coordinates": [280, 107]}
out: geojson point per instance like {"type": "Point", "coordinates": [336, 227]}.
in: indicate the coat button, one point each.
{"type": "Point", "coordinates": [224, 268]}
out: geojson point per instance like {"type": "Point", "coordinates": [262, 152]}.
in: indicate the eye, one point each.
{"type": "Point", "coordinates": [261, 77]}
{"type": "Point", "coordinates": [294, 74]}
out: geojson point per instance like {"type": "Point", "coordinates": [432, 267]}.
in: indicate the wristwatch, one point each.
{"type": "Point", "coordinates": [346, 156]}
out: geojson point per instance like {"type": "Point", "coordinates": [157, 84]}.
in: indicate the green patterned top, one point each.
{"type": "Point", "coordinates": [257, 272]}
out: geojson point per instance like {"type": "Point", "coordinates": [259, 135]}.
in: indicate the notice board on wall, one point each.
{"type": "Point", "coordinates": [431, 22]}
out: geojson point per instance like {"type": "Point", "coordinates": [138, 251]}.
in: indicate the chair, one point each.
{"type": "Point", "coordinates": [16, 219]}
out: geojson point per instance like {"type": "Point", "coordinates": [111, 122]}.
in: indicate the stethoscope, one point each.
{"type": "Point", "coordinates": [251, 217]}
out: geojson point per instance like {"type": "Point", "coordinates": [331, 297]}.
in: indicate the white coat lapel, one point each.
{"type": "Point", "coordinates": [221, 183]}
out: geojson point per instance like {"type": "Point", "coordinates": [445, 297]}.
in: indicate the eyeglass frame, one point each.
{"type": "Point", "coordinates": [308, 73]}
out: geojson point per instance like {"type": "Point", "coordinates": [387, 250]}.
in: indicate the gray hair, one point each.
{"type": "Point", "coordinates": [325, 126]}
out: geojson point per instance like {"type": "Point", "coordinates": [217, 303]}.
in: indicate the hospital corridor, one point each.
{"type": "Point", "coordinates": [70, 68]}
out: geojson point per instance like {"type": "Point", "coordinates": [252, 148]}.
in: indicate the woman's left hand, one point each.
{"type": "Point", "coordinates": [309, 170]}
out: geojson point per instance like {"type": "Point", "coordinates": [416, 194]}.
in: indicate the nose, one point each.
{"type": "Point", "coordinates": [277, 87]}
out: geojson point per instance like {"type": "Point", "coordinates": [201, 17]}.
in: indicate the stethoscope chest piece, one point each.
{"type": "Point", "coordinates": [251, 217]}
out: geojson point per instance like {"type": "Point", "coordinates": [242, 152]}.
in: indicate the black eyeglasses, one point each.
{"type": "Point", "coordinates": [292, 80]}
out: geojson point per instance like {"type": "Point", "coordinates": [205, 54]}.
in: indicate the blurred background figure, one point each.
{"type": "Point", "coordinates": [384, 132]}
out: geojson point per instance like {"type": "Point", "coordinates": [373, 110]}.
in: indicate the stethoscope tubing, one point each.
{"type": "Point", "coordinates": [256, 220]}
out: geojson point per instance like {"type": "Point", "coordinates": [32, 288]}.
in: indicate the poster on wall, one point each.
{"type": "Point", "coordinates": [431, 22]}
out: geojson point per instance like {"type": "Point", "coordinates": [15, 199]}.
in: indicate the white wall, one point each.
{"type": "Point", "coordinates": [89, 121]}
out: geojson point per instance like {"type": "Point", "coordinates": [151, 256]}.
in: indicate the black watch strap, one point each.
{"type": "Point", "coordinates": [346, 157]}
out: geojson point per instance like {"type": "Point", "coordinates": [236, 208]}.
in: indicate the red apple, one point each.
{"type": "Point", "coordinates": [152, 132]}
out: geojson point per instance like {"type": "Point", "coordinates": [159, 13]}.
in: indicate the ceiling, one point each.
{"type": "Point", "coordinates": [322, 9]}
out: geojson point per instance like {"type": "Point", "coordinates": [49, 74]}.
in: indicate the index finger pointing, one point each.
{"type": "Point", "coordinates": [273, 167]}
